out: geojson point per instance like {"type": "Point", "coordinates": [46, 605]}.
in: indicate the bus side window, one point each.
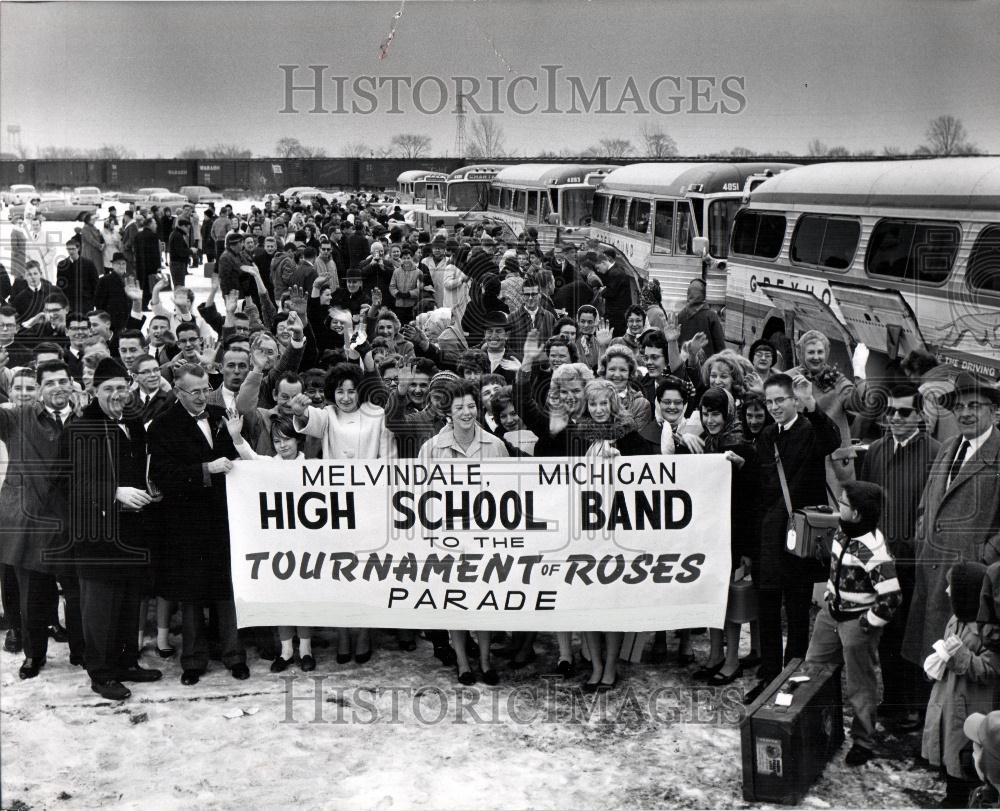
{"type": "Point", "coordinates": [983, 271]}
{"type": "Point", "coordinates": [663, 226]}
{"type": "Point", "coordinates": [684, 223]}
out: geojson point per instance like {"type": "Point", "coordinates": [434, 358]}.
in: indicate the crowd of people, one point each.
{"type": "Point", "coordinates": [338, 331]}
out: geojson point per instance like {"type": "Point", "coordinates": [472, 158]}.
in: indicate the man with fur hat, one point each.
{"type": "Point", "coordinates": [107, 449]}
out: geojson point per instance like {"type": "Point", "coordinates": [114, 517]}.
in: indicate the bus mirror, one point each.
{"type": "Point", "coordinates": [552, 218]}
{"type": "Point", "coordinates": [700, 246]}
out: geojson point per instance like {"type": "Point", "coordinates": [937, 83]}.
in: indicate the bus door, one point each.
{"type": "Point", "coordinates": [880, 319]}
{"type": "Point", "coordinates": [808, 312]}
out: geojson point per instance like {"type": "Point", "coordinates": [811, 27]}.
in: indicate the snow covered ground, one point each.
{"type": "Point", "coordinates": [372, 741]}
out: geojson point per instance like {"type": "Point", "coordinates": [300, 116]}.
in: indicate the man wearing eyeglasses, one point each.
{"type": "Point", "coordinates": [530, 316]}
{"type": "Point", "coordinates": [959, 513]}
{"type": "Point", "coordinates": [802, 436]}
{"type": "Point", "coordinates": [900, 463]}
{"type": "Point", "coordinates": [190, 455]}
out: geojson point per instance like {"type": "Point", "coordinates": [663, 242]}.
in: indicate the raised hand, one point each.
{"type": "Point", "coordinates": [235, 427]}
{"type": "Point", "coordinates": [803, 391]}
{"type": "Point", "coordinates": [510, 364]}
{"type": "Point", "coordinates": [671, 329]}
{"type": "Point", "coordinates": [295, 323]}
{"type": "Point", "coordinates": [603, 334]}
{"type": "Point", "coordinates": [697, 344]}
{"type": "Point", "coordinates": [300, 404]}
{"type": "Point", "coordinates": [133, 289]}
{"type": "Point", "coordinates": [232, 298]}
{"type": "Point", "coordinates": [532, 346]}
{"type": "Point", "coordinates": [297, 301]}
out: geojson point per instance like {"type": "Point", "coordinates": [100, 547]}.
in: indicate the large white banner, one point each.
{"type": "Point", "coordinates": [628, 544]}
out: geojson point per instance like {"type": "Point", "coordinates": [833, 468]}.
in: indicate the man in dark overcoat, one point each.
{"type": "Point", "coordinates": [190, 452]}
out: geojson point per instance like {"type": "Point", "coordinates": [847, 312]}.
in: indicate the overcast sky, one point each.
{"type": "Point", "coordinates": [159, 77]}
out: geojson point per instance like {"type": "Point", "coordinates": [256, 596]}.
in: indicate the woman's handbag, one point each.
{"type": "Point", "coordinates": [741, 606]}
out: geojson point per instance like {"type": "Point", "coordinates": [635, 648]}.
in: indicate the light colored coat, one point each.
{"type": "Point", "coordinates": [962, 523]}
{"type": "Point", "coordinates": [971, 683]}
{"type": "Point", "coordinates": [343, 438]}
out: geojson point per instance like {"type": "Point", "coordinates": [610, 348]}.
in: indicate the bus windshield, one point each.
{"type": "Point", "coordinates": [576, 206]}
{"type": "Point", "coordinates": [468, 196]}
{"type": "Point", "coordinates": [720, 226]}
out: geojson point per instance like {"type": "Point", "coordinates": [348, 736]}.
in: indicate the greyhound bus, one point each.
{"type": "Point", "coordinates": [672, 220]}
{"type": "Point", "coordinates": [898, 255]}
{"type": "Point", "coordinates": [554, 198]}
{"type": "Point", "coordinates": [418, 185]}
{"type": "Point", "coordinates": [467, 193]}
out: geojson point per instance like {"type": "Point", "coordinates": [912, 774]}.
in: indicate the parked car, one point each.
{"type": "Point", "coordinates": [53, 206]}
{"type": "Point", "coordinates": [234, 194]}
{"type": "Point", "coordinates": [86, 195]}
{"type": "Point", "coordinates": [194, 192]}
{"type": "Point", "coordinates": [167, 198]}
{"type": "Point", "coordinates": [18, 194]}
{"type": "Point", "coordinates": [211, 197]}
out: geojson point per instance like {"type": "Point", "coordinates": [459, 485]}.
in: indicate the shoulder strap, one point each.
{"type": "Point", "coordinates": [781, 478]}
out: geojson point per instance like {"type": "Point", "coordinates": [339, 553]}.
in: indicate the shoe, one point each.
{"type": "Point", "coordinates": [685, 659]}
{"type": "Point", "coordinates": [467, 678]}
{"type": "Point", "coordinates": [857, 756]}
{"type": "Point", "coordinates": [705, 673]}
{"type": "Point", "coordinates": [76, 660]}
{"type": "Point", "coordinates": [658, 654]}
{"type": "Point", "coordinates": [111, 689]}
{"type": "Point", "coordinates": [361, 658]}
{"type": "Point", "coordinates": [750, 661]}
{"type": "Point", "coordinates": [240, 672]}
{"type": "Point", "coordinates": [718, 680]}
{"type": "Point", "coordinates": [408, 645]}
{"type": "Point", "coordinates": [12, 642]}
{"type": "Point", "coordinates": [137, 673]}
{"type": "Point", "coordinates": [490, 677]}
{"type": "Point", "coordinates": [57, 633]}
{"type": "Point", "coordinates": [307, 663]}
{"type": "Point", "coordinates": [343, 658]}
{"type": "Point", "coordinates": [279, 665]}
{"type": "Point", "coordinates": [604, 687]}
{"type": "Point", "coordinates": [446, 654]}
{"type": "Point", "coordinates": [190, 677]}
{"type": "Point", "coordinates": [590, 687]}
{"type": "Point", "coordinates": [29, 669]}
{"type": "Point", "coordinates": [166, 653]}
{"type": "Point", "coordinates": [564, 668]}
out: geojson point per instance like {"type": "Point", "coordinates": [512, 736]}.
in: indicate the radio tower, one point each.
{"type": "Point", "coordinates": [459, 130]}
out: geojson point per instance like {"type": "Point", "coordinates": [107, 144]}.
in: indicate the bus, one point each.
{"type": "Point", "coordinates": [898, 255]}
{"type": "Point", "coordinates": [417, 185]}
{"type": "Point", "coordinates": [467, 192]}
{"type": "Point", "coordinates": [672, 220]}
{"type": "Point", "coordinates": [554, 198]}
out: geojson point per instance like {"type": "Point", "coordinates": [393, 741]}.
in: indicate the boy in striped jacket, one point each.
{"type": "Point", "coordinates": [861, 596]}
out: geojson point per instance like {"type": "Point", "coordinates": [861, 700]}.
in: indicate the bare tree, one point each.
{"type": "Point", "coordinates": [892, 151]}
{"type": "Point", "coordinates": [838, 152]}
{"type": "Point", "coordinates": [656, 143]}
{"type": "Point", "coordinates": [410, 145]}
{"type": "Point", "coordinates": [946, 135]}
{"type": "Point", "coordinates": [288, 148]}
{"type": "Point", "coordinates": [486, 138]}
{"type": "Point", "coordinates": [865, 153]}
{"type": "Point", "coordinates": [112, 152]}
{"type": "Point", "coordinates": [58, 152]}
{"type": "Point", "coordinates": [741, 152]}
{"type": "Point", "coordinates": [355, 149]}
{"type": "Point", "coordinates": [817, 149]}
{"type": "Point", "coordinates": [228, 151]}
{"type": "Point", "coordinates": [612, 148]}
{"type": "Point", "coordinates": [192, 152]}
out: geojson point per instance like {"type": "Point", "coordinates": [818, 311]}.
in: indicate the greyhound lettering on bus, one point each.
{"type": "Point", "coordinates": [826, 297]}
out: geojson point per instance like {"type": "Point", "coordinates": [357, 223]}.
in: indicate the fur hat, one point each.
{"type": "Point", "coordinates": [966, 581]}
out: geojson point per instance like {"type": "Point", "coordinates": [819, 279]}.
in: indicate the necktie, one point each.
{"type": "Point", "coordinates": [956, 464]}
{"type": "Point", "coordinates": [202, 416]}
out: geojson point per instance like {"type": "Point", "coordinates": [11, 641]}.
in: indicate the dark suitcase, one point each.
{"type": "Point", "coordinates": [786, 748]}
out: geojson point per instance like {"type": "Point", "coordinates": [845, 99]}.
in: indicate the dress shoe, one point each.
{"type": "Point", "coordinates": [166, 653]}
{"type": "Point", "coordinates": [705, 673]}
{"type": "Point", "coordinates": [12, 642]}
{"type": "Point", "coordinates": [110, 689]}
{"type": "Point", "coordinates": [751, 660]}
{"type": "Point", "coordinates": [590, 687]}
{"type": "Point", "coordinates": [467, 677]}
{"type": "Point", "coordinates": [756, 690]}
{"type": "Point", "coordinates": [490, 677]}
{"type": "Point", "coordinates": [685, 659]}
{"type": "Point", "coordinates": [307, 663]}
{"type": "Point", "coordinates": [658, 654]}
{"type": "Point", "coordinates": [718, 680]}
{"type": "Point", "coordinates": [140, 674]}
{"type": "Point", "coordinates": [29, 669]}
{"type": "Point", "coordinates": [343, 658]}
{"type": "Point", "coordinates": [564, 668]}
{"type": "Point", "coordinates": [240, 671]}
{"type": "Point", "coordinates": [604, 687]}
{"type": "Point", "coordinates": [446, 654]}
{"type": "Point", "coordinates": [190, 677]}
{"type": "Point", "coordinates": [858, 755]}
{"type": "Point", "coordinates": [361, 658]}
{"type": "Point", "coordinates": [57, 633]}
{"type": "Point", "coordinates": [905, 723]}
{"type": "Point", "coordinates": [279, 665]}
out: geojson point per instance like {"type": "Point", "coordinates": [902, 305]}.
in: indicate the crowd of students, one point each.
{"type": "Point", "coordinates": [337, 331]}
